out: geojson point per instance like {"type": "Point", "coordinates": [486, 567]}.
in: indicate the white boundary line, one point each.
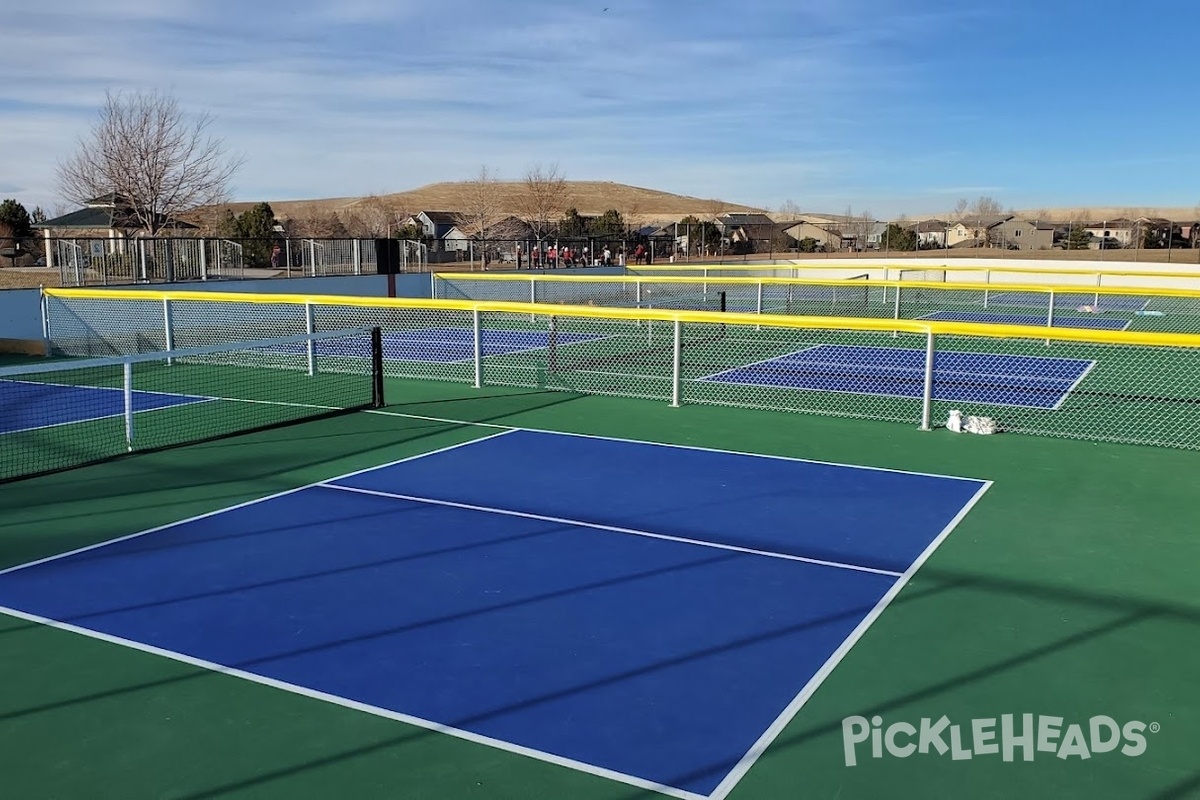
{"type": "Point", "coordinates": [255, 501]}
{"type": "Point", "coordinates": [752, 755]}
{"type": "Point", "coordinates": [937, 315]}
{"type": "Point", "coordinates": [701, 448]}
{"type": "Point", "coordinates": [714, 376]}
{"type": "Point", "coordinates": [613, 529]}
{"type": "Point", "coordinates": [338, 700]}
{"type": "Point", "coordinates": [731, 779]}
{"type": "Point", "coordinates": [1091, 365]}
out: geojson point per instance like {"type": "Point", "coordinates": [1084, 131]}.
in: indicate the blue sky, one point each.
{"type": "Point", "coordinates": [896, 107]}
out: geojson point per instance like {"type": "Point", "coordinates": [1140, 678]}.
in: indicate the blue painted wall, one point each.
{"type": "Point", "coordinates": [20, 314]}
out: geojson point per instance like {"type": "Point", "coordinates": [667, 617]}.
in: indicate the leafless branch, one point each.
{"type": "Point", "coordinates": [154, 159]}
{"type": "Point", "coordinates": [542, 198]}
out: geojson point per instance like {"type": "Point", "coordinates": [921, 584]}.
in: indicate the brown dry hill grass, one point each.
{"type": "Point", "coordinates": [587, 197]}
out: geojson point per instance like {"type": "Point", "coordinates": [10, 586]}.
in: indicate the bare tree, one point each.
{"type": "Point", "coordinates": [789, 211]}
{"type": "Point", "coordinates": [961, 210]}
{"type": "Point", "coordinates": [542, 198]}
{"type": "Point", "coordinates": [312, 222]}
{"type": "Point", "coordinates": [154, 160]}
{"type": "Point", "coordinates": [374, 218]}
{"type": "Point", "coordinates": [482, 209]}
{"type": "Point", "coordinates": [987, 207]}
{"type": "Point", "coordinates": [859, 226]}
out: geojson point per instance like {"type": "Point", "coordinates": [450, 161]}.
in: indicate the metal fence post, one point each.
{"type": "Point", "coordinates": [310, 327]}
{"type": "Point", "coordinates": [203, 260]}
{"type": "Point", "coordinates": [927, 394]}
{"type": "Point", "coordinates": [477, 331]}
{"type": "Point", "coordinates": [676, 363]}
{"type": "Point", "coordinates": [1050, 315]}
{"type": "Point", "coordinates": [127, 385]}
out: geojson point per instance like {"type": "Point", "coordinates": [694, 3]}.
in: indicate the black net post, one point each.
{"type": "Point", "coordinates": [377, 399]}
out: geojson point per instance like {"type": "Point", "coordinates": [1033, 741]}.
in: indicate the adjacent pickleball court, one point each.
{"type": "Point", "coordinates": [655, 615]}
{"type": "Point", "coordinates": [33, 405]}
{"type": "Point", "coordinates": [991, 378]}
{"type": "Point", "coordinates": [1088, 320]}
{"type": "Point", "coordinates": [452, 345]}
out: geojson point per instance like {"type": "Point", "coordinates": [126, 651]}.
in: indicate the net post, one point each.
{"type": "Point", "coordinates": [127, 385]}
{"type": "Point", "coordinates": [377, 398]}
{"type": "Point", "coordinates": [552, 345]}
{"type": "Point", "coordinates": [1096, 300]}
{"type": "Point", "coordinates": [532, 295]}
{"type": "Point", "coordinates": [168, 327]}
{"type": "Point", "coordinates": [927, 394]}
{"type": "Point", "coordinates": [1050, 315]}
{"type": "Point", "coordinates": [310, 329]}
{"type": "Point", "coordinates": [676, 360]}
{"type": "Point", "coordinates": [758, 301]}
{"type": "Point", "coordinates": [477, 333]}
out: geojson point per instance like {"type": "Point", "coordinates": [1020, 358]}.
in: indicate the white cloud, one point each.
{"type": "Point", "coordinates": [754, 102]}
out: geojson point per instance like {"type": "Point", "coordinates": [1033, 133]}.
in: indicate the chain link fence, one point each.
{"type": "Point", "coordinates": [1121, 386]}
{"type": "Point", "coordinates": [118, 261]}
{"type": "Point", "coordinates": [1093, 307]}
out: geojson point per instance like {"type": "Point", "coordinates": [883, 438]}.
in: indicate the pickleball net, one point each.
{"type": "Point", "coordinates": [63, 414]}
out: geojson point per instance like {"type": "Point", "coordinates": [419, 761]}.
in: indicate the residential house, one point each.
{"type": "Point", "coordinates": [1111, 233]}
{"type": "Point", "coordinates": [747, 233]}
{"type": "Point", "coordinates": [931, 233]}
{"type": "Point", "coordinates": [875, 235]}
{"type": "Point", "coordinates": [1014, 233]}
{"type": "Point", "coordinates": [972, 231]}
{"type": "Point", "coordinates": [827, 238]}
{"type": "Point", "coordinates": [434, 225]}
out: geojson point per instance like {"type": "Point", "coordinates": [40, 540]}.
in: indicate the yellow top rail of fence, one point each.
{"type": "Point", "coordinates": [936, 327]}
{"type": "Point", "coordinates": [841, 283]}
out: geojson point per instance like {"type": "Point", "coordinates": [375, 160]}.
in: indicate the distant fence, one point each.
{"type": "Point", "coordinates": [116, 261]}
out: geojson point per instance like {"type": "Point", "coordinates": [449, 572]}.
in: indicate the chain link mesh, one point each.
{"type": "Point", "coordinates": [1113, 385]}
{"type": "Point", "coordinates": [1099, 308]}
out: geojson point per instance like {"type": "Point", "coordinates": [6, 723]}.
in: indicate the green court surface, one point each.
{"type": "Point", "coordinates": [1068, 591]}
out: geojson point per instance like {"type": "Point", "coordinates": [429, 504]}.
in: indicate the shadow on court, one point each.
{"type": "Point", "coordinates": [1128, 613]}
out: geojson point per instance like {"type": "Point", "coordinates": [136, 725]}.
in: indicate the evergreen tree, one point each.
{"type": "Point", "coordinates": [14, 215]}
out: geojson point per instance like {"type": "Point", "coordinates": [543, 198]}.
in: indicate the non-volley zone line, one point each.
{"type": "Point", "coordinates": [1042, 382]}
{"type": "Point", "coordinates": [614, 529]}
{"type": "Point", "coordinates": [448, 345]}
{"type": "Point", "coordinates": [1086, 321]}
{"type": "Point", "coordinates": [368, 600]}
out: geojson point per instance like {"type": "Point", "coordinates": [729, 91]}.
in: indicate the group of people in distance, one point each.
{"type": "Point", "coordinates": [555, 256]}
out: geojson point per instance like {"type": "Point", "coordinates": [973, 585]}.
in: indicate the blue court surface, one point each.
{"type": "Point", "coordinates": [1090, 321]}
{"type": "Point", "coordinates": [652, 614]}
{"type": "Point", "coordinates": [445, 345]}
{"type": "Point", "coordinates": [32, 405]}
{"type": "Point", "coordinates": [994, 379]}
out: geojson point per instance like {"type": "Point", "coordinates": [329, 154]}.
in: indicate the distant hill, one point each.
{"type": "Point", "coordinates": [590, 198]}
